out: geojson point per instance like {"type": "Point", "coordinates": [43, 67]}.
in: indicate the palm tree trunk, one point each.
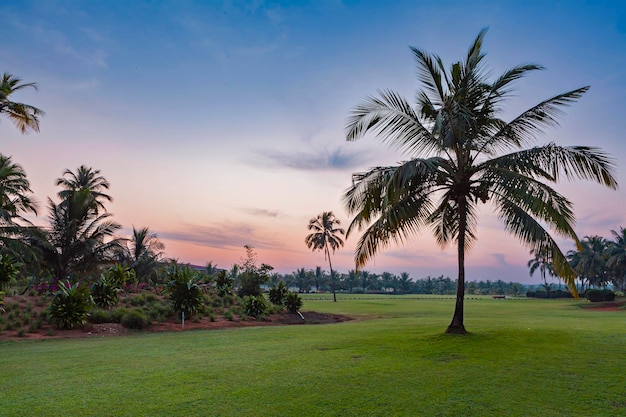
{"type": "Point", "coordinates": [456, 326]}
{"type": "Point", "coordinates": [332, 279]}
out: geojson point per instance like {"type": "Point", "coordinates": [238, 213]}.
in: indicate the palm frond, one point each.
{"type": "Point", "coordinates": [525, 127]}
{"type": "Point", "coordinates": [391, 118]}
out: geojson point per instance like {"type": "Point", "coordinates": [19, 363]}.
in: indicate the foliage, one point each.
{"type": "Point", "coordinates": [9, 270]}
{"type": "Point", "coordinates": [461, 154]}
{"type": "Point", "coordinates": [135, 319]}
{"type": "Point", "coordinates": [70, 305]}
{"type": "Point", "coordinates": [255, 306]}
{"type": "Point", "coordinates": [293, 302]}
{"type": "Point", "coordinates": [81, 235]}
{"type": "Point", "coordinates": [253, 276]}
{"type": "Point", "coordinates": [184, 290]}
{"type": "Point", "coordinates": [595, 295]}
{"type": "Point", "coordinates": [24, 116]}
{"type": "Point", "coordinates": [105, 292]}
{"type": "Point", "coordinates": [143, 253]}
{"type": "Point", "coordinates": [119, 275]}
{"type": "Point", "coordinates": [277, 293]}
{"type": "Point", "coordinates": [223, 284]}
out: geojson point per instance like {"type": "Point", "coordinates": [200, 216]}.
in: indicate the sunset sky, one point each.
{"type": "Point", "coordinates": [221, 123]}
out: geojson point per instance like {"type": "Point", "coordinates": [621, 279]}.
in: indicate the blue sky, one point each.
{"type": "Point", "coordinates": [221, 123]}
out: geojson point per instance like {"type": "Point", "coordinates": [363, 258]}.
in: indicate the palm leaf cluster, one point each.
{"type": "Point", "coordinates": [600, 261]}
{"type": "Point", "coordinates": [24, 116]}
{"type": "Point", "coordinates": [461, 154]}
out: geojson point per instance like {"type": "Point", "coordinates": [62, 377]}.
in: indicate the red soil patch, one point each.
{"type": "Point", "coordinates": [607, 306]}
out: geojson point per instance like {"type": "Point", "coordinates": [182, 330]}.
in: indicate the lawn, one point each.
{"type": "Point", "coordinates": [522, 358]}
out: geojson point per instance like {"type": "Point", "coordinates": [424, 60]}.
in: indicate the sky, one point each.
{"type": "Point", "coordinates": [221, 124]}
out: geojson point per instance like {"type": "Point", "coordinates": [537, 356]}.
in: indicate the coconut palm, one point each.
{"type": "Point", "coordinates": [541, 261]}
{"type": "Point", "coordinates": [15, 191]}
{"type": "Point", "coordinates": [616, 257]}
{"type": "Point", "coordinates": [15, 202]}
{"type": "Point", "coordinates": [589, 261]}
{"type": "Point", "coordinates": [79, 240]}
{"type": "Point", "coordinates": [24, 116]}
{"type": "Point", "coordinates": [142, 252]}
{"type": "Point", "coordinates": [462, 154]}
{"type": "Point", "coordinates": [85, 178]}
{"type": "Point", "coordinates": [326, 236]}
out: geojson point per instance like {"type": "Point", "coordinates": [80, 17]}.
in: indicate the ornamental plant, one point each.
{"type": "Point", "coordinates": [70, 305]}
{"type": "Point", "coordinates": [184, 290]}
{"type": "Point", "coordinates": [105, 292]}
{"type": "Point", "coordinates": [255, 305]}
{"type": "Point", "coordinates": [277, 293]}
{"type": "Point", "coordinates": [293, 302]}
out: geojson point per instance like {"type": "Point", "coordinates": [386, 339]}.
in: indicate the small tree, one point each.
{"type": "Point", "coordinates": [253, 276]}
{"type": "Point", "coordinates": [277, 293]}
{"type": "Point", "coordinates": [184, 292]}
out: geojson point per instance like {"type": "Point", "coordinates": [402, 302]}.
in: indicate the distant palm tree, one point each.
{"type": "Point", "coordinates": [542, 262]}
{"type": "Point", "coordinates": [85, 178]}
{"type": "Point", "coordinates": [143, 252]}
{"type": "Point", "coordinates": [24, 116]}
{"type": "Point", "coordinates": [589, 261]}
{"type": "Point", "coordinates": [616, 257]}
{"type": "Point", "coordinates": [326, 236]}
{"type": "Point", "coordinates": [462, 154]}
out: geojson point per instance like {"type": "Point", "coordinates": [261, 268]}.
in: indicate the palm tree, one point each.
{"type": "Point", "coordinates": [79, 239]}
{"type": "Point", "coordinates": [616, 257]}
{"type": "Point", "coordinates": [541, 261]}
{"type": "Point", "coordinates": [16, 201]}
{"type": "Point", "coordinates": [15, 191]}
{"type": "Point", "coordinates": [325, 236]}
{"type": "Point", "coordinates": [461, 154]}
{"type": "Point", "coordinates": [24, 116]}
{"type": "Point", "coordinates": [143, 252]}
{"type": "Point", "coordinates": [589, 261]}
{"type": "Point", "coordinates": [85, 178]}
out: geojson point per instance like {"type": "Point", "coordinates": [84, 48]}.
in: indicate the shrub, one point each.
{"type": "Point", "coordinates": [277, 294]}
{"type": "Point", "coordinates": [255, 306]}
{"type": "Point", "coordinates": [99, 315]}
{"type": "Point", "coordinates": [293, 302]}
{"type": "Point", "coordinates": [228, 315]}
{"type": "Point", "coordinates": [595, 295]}
{"type": "Point", "coordinates": [184, 292]}
{"type": "Point", "coordinates": [70, 305]}
{"type": "Point", "coordinates": [117, 314]}
{"type": "Point", "coordinates": [120, 276]}
{"type": "Point", "coordinates": [135, 319]}
{"type": "Point", "coordinates": [223, 284]}
{"type": "Point", "coordinates": [104, 292]}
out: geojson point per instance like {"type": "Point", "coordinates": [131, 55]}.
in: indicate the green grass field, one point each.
{"type": "Point", "coordinates": [522, 358]}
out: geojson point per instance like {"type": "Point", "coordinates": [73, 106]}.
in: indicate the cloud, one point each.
{"type": "Point", "coordinates": [222, 235]}
{"type": "Point", "coordinates": [325, 160]}
{"type": "Point", "coordinates": [262, 212]}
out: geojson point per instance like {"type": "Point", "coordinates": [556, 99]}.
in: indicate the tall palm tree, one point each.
{"type": "Point", "coordinates": [326, 236]}
{"type": "Point", "coordinates": [85, 178]}
{"type": "Point", "coordinates": [461, 154]}
{"type": "Point", "coordinates": [79, 238]}
{"type": "Point", "coordinates": [24, 116]}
